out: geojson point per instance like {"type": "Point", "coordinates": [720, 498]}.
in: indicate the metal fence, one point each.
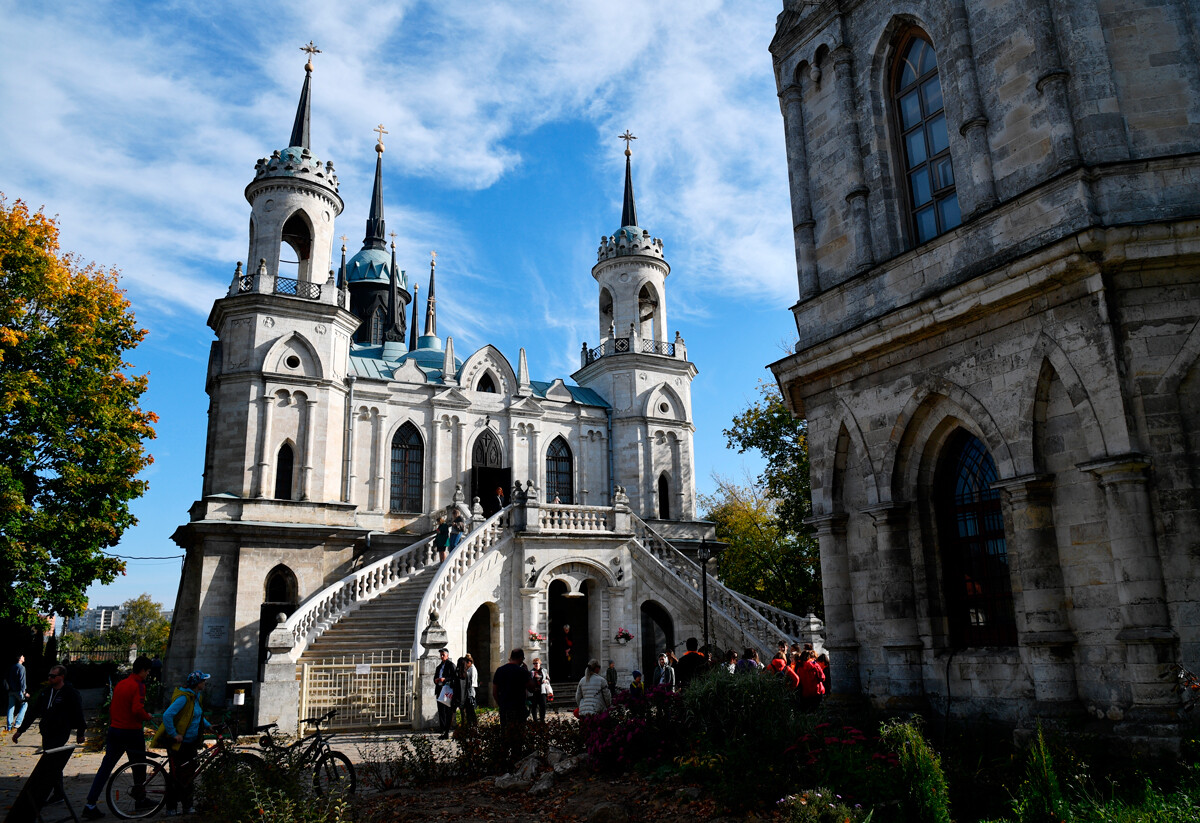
{"type": "Point", "coordinates": [117, 654]}
{"type": "Point", "coordinates": [369, 690]}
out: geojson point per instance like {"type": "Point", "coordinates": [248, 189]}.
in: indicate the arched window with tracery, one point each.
{"type": "Point", "coordinates": [408, 461]}
{"type": "Point", "coordinates": [976, 579]}
{"type": "Point", "coordinates": [558, 472]}
{"type": "Point", "coordinates": [284, 463]}
{"type": "Point", "coordinates": [924, 150]}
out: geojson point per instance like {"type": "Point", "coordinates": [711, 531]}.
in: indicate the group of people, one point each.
{"type": "Point", "coordinates": [59, 707]}
{"type": "Point", "coordinates": [449, 533]}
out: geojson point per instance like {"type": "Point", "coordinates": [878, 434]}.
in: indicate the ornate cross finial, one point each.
{"type": "Point", "coordinates": [382, 131]}
{"type": "Point", "coordinates": [343, 238]}
{"type": "Point", "coordinates": [432, 259]}
{"type": "Point", "coordinates": [627, 137]}
{"type": "Point", "coordinates": [310, 50]}
{"type": "Point", "coordinates": [392, 235]}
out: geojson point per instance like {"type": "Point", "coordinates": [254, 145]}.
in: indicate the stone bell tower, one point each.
{"type": "Point", "coordinates": [643, 374]}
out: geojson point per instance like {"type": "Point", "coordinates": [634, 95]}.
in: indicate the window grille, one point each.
{"type": "Point", "coordinates": [558, 472]}
{"type": "Point", "coordinates": [408, 459]}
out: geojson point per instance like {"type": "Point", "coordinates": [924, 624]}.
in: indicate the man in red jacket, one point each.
{"type": "Point", "coordinates": [127, 716]}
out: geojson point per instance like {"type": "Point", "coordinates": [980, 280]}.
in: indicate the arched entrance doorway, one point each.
{"type": "Point", "coordinates": [658, 635]}
{"type": "Point", "coordinates": [479, 646]}
{"type": "Point", "coordinates": [279, 595]}
{"type": "Point", "coordinates": [570, 647]}
{"type": "Point", "coordinates": [488, 472]}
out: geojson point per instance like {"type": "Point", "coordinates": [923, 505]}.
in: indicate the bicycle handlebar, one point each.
{"type": "Point", "coordinates": [317, 721]}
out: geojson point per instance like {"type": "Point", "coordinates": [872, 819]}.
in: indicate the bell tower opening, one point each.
{"type": "Point", "coordinates": [296, 242]}
{"type": "Point", "coordinates": [649, 323]}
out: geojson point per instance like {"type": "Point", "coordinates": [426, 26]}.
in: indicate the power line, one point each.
{"type": "Point", "coordinates": [147, 557]}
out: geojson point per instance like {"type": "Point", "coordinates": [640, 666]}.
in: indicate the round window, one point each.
{"type": "Point", "coordinates": [664, 408]}
{"type": "Point", "coordinates": [292, 362]}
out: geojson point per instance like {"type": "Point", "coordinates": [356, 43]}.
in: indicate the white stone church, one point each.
{"type": "Point", "coordinates": [338, 434]}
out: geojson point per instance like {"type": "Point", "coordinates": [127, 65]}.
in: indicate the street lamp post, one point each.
{"type": "Point", "coordinates": [704, 554]}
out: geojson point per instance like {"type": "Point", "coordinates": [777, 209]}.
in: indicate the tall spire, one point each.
{"type": "Point", "coordinates": [300, 126]}
{"type": "Point", "coordinates": [412, 329]}
{"type": "Point", "coordinates": [375, 224]}
{"type": "Point", "coordinates": [431, 301]}
{"type": "Point", "coordinates": [394, 323]}
{"type": "Point", "coordinates": [628, 209]}
{"type": "Point", "coordinates": [341, 282]}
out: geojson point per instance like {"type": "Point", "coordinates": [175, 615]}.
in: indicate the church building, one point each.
{"type": "Point", "coordinates": [338, 435]}
{"type": "Point", "coordinates": [996, 211]}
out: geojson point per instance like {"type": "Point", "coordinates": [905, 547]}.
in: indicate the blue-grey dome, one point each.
{"type": "Point", "coordinates": [372, 265]}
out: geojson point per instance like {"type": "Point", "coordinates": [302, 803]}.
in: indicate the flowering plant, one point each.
{"type": "Point", "coordinates": [535, 638]}
{"type": "Point", "coordinates": [624, 634]}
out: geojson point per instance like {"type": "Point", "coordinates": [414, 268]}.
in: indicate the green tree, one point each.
{"type": "Point", "coordinates": [772, 555]}
{"type": "Point", "coordinates": [71, 430]}
{"type": "Point", "coordinates": [143, 625]}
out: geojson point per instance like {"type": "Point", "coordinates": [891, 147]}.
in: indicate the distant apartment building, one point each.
{"type": "Point", "coordinates": [100, 619]}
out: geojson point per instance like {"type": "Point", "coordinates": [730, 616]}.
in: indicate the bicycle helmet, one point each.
{"type": "Point", "coordinates": [196, 678]}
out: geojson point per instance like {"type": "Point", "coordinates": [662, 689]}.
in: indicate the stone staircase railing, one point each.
{"type": "Point", "coordinates": [568, 519]}
{"type": "Point", "coordinates": [757, 628]}
{"type": "Point", "coordinates": [465, 555]}
{"type": "Point", "coordinates": [791, 624]}
{"type": "Point", "coordinates": [335, 601]}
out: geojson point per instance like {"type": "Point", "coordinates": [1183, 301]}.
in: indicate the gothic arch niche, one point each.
{"type": "Point", "coordinates": [483, 644]}
{"type": "Point", "coordinates": [977, 580]}
{"type": "Point", "coordinates": [560, 470]}
{"type": "Point", "coordinates": [488, 472]}
{"type": "Point", "coordinates": [285, 463]}
{"type": "Point", "coordinates": [486, 383]}
{"type": "Point", "coordinates": [606, 314]}
{"type": "Point", "coordinates": [664, 497]}
{"type": "Point", "coordinates": [296, 239]}
{"type": "Point", "coordinates": [280, 595]}
{"type": "Point", "coordinates": [293, 355]}
{"type": "Point", "coordinates": [665, 403]}
{"type": "Point", "coordinates": [407, 470]}
{"type": "Point", "coordinates": [658, 634]}
{"type": "Point", "coordinates": [650, 325]}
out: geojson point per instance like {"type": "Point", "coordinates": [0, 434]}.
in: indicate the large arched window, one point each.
{"type": "Point", "coordinates": [558, 472]}
{"type": "Point", "coordinates": [924, 150]}
{"type": "Point", "coordinates": [408, 460]}
{"type": "Point", "coordinates": [378, 319]}
{"type": "Point", "coordinates": [978, 587]}
{"type": "Point", "coordinates": [284, 463]}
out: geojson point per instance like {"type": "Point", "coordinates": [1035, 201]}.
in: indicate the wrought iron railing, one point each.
{"type": "Point", "coordinates": [658, 347]}
{"type": "Point", "coordinates": [298, 288]}
{"type": "Point", "coordinates": [245, 283]}
{"type": "Point", "coordinates": [621, 345]}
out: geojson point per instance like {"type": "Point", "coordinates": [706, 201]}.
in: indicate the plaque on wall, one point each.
{"type": "Point", "coordinates": [216, 631]}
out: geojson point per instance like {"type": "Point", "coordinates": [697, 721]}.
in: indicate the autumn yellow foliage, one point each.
{"type": "Point", "coordinates": [71, 431]}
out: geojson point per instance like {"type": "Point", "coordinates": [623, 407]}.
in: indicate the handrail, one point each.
{"type": "Point", "coordinates": [791, 623]}
{"type": "Point", "coordinates": [333, 602]}
{"type": "Point", "coordinates": [465, 555]}
{"type": "Point", "coordinates": [727, 603]}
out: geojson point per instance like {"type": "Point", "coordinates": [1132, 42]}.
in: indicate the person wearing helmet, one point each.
{"type": "Point", "coordinates": [181, 730]}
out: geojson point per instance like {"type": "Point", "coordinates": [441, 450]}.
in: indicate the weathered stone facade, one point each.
{"type": "Point", "coordinates": [1054, 322]}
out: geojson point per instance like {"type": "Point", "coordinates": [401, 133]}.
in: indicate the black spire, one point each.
{"type": "Point", "coordinates": [394, 325]}
{"type": "Point", "coordinates": [300, 127]}
{"type": "Point", "coordinates": [341, 281]}
{"type": "Point", "coordinates": [375, 224]}
{"type": "Point", "coordinates": [412, 330]}
{"type": "Point", "coordinates": [629, 209]}
{"type": "Point", "coordinates": [431, 302]}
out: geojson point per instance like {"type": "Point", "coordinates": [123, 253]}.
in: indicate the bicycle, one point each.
{"type": "Point", "coordinates": [131, 796]}
{"type": "Point", "coordinates": [332, 770]}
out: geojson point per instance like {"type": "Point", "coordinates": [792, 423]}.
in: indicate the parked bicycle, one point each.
{"type": "Point", "coordinates": [139, 789]}
{"type": "Point", "coordinates": [332, 770]}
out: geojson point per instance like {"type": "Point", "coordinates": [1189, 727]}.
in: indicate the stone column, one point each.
{"type": "Point", "coordinates": [974, 121]}
{"type": "Point", "coordinates": [858, 219]}
{"type": "Point", "coordinates": [534, 474]}
{"type": "Point", "coordinates": [458, 455]}
{"type": "Point", "coordinates": [264, 443]}
{"type": "Point", "coordinates": [310, 433]}
{"type": "Point", "coordinates": [902, 642]}
{"type": "Point", "coordinates": [581, 461]}
{"type": "Point", "coordinates": [802, 219]}
{"type": "Point", "coordinates": [1149, 640]}
{"type": "Point", "coordinates": [434, 481]}
{"type": "Point", "coordinates": [1052, 84]}
{"type": "Point", "coordinates": [433, 639]}
{"type": "Point", "coordinates": [840, 635]}
{"type": "Point", "coordinates": [529, 604]}
{"type": "Point", "coordinates": [1045, 628]}
{"type": "Point", "coordinates": [278, 693]}
{"type": "Point", "coordinates": [618, 617]}
{"type": "Point", "coordinates": [378, 447]}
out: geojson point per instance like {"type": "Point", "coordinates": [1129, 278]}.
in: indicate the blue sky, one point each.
{"type": "Point", "coordinates": [139, 125]}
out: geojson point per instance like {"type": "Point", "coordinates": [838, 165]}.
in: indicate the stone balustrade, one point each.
{"type": "Point", "coordinates": [569, 519]}
{"type": "Point", "coordinates": [335, 601]}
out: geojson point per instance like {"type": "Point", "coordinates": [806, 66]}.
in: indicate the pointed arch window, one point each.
{"type": "Point", "coordinates": [378, 320]}
{"type": "Point", "coordinates": [408, 464]}
{"type": "Point", "coordinates": [924, 150]}
{"type": "Point", "coordinates": [284, 463]}
{"type": "Point", "coordinates": [486, 383]}
{"type": "Point", "coordinates": [976, 579]}
{"type": "Point", "coordinates": [664, 497]}
{"type": "Point", "coordinates": [486, 453]}
{"type": "Point", "coordinates": [296, 239]}
{"type": "Point", "coordinates": [558, 472]}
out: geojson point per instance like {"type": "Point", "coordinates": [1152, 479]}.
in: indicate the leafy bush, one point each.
{"type": "Point", "coordinates": [1040, 798]}
{"type": "Point", "coordinates": [390, 760]}
{"type": "Point", "coordinates": [635, 730]}
{"type": "Point", "coordinates": [279, 806]}
{"type": "Point", "coordinates": [862, 768]}
{"type": "Point", "coordinates": [927, 795]}
{"type": "Point", "coordinates": [241, 787]}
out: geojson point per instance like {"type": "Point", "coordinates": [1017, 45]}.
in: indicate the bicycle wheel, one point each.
{"type": "Point", "coordinates": [334, 773]}
{"type": "Point", "coordinates": [130, 797]}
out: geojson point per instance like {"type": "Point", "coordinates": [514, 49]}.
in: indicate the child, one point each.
{"type": "Point", "coordinates": [637, 687]}
{"type": "Point", "coordinates": [611, 676]}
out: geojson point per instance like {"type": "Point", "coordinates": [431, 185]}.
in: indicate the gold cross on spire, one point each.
{"type": "Point", "coordinates": [626, 137]}
{"type": "Point", "coordinates": [432, 259]}
{"type": "Point", "coordinates": [310, 50]}
{"type": "Point", "coordinates": [382, 131]}
{"type": "Point", "coordinates": [392, 235]}
{"type": "Point", "coordinates": [343, 238]}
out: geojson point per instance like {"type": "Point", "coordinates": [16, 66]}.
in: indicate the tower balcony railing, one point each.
{"type": "Point", "coordinates": [625, 345]}
{"type": "Point", "coordinates": [283, 285]}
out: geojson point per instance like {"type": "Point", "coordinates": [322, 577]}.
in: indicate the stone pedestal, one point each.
{"type": "Point", "coordinates": [433, 639]}
{"type": "Point", "coordinates": [277, 696]}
